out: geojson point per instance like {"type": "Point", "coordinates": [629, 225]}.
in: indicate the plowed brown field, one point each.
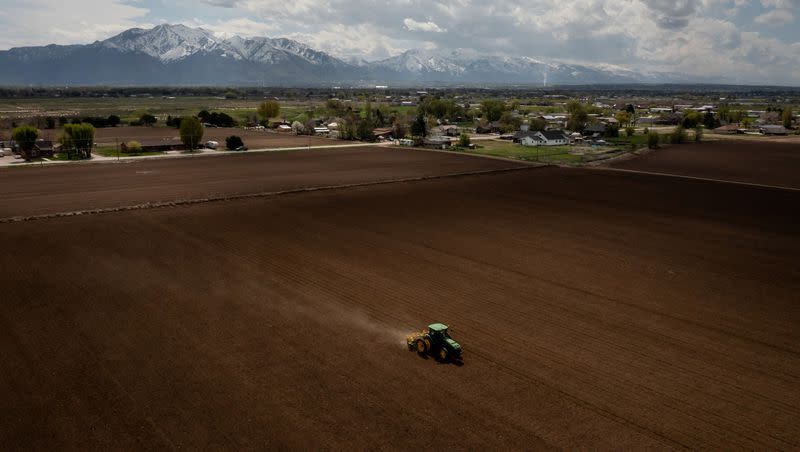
{"type": "Point", "coordinates": [597, 310]}
{"type": "Point", "coordinates": [65, 188]}
{"type": "Point", "coordinates": [758, 162]}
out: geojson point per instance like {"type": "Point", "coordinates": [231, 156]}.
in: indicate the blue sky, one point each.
{"type": "Point", "coordinates": [756, 41]}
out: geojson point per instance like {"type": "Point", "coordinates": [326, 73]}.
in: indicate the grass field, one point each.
{"type": "Point", "coordinates": [131, 108]}
{"type": "Point", "coordinates": [498, 148]}
{"type": "Point", "coordinates": [113, 152]}
{"type": "Point", "coordinates": [127, 108]}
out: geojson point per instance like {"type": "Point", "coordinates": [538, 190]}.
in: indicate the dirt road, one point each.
{"type": "Point", "coordinates": [597, 310]}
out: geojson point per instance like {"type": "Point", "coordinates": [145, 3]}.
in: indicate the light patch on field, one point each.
{"type": "Point", "coordinates": [325, 309]}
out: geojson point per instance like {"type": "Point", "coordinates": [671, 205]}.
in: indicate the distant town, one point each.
{"type": "Point", "coordinates": [575, 125]}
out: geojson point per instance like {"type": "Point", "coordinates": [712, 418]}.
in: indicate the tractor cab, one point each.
{"type": "Point", "coordinates": [438, 331]}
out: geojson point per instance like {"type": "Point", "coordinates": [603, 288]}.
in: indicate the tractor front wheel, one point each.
{"type": "Point", "coordinates": [421, 346]}
{"type": "Point", "coordinates": [443, 354]}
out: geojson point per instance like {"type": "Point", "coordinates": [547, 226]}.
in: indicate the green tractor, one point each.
{"type": "Point", "coordinates": [435, 341]}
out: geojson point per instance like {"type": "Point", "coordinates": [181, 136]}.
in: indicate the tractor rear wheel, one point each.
{"type": "Point", "coordinates": [443, 354]}
{"type": "Point", "coordinates": [421, 346]}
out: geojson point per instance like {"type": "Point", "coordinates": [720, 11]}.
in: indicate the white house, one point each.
{"type": "Point", "coordinates": [545, 138]}
{"type": "Point", "coordinates": [531, 140]}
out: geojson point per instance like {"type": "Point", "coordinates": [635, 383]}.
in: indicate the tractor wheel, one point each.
{"type": "Point", "coordinates": [443, 354]}
{"type": "Point", "coordinates": [421, 346]}
{"type": "Point", "coordinates": [427, 344]}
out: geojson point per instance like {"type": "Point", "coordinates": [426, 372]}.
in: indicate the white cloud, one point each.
{"type": "Point", "coordinates": [244, 27]}
{"type": "Point", "coordinates": [710, 37]}
{"type": "Point", "coordinates": [689, 36]}
{"type": "Point", "coordinates": [673, 13]}
{"type": "Point", "coordinates": [781, 4]}
{"type": "Point", "coordinates": [775, 17]}
{"type": "Point", "coordinates": [429, 26]}
{"type": "Point", "coordinates": [40, 22]}
{"type": "Point", "coordinates": [355, 42]}
{"type": "Point", "coordinates": [221, 3]}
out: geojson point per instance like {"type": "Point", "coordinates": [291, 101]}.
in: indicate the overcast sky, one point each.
{"type": "Point", "coordinates": [756, 41]}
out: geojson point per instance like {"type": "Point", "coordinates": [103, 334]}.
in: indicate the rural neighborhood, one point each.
{"type": "Point", "coordinates": [593, 128]}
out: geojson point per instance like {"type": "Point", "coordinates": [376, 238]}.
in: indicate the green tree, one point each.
{"type": "Point", "coordinates": [612, 131]}
{"type": "Point", "coordinates": [147, 119]}
{"type": "Point", "coordinates": [334, 107]}
{"type": "Point", "coordinates": [578, 116]}
{"type": "Point", "coordinates": [537, 125]}
{"type": "Point", "coordinates": [691, 119]}
{"type": "Point", "coordinates": [509, 122]}
{"type": "Point", "coordinates": [419, 128]}
{"type": "Point", "coordinates": [25, 137]}
{"type": "Point", "coordinates": [710, 121]}
{"type": "Point", "coordinates": [268, 109]}
{"type": "Point", "coordinates": [493, 109]}
{"type": "Point", "coordinates": [463, 140]}
{"type": "Point", "coordinates": [133, 147]}
{"type": "Point", "coordinates": [80, 138]}
{"type": "Point", "coordinates": [310, 125]}
{"type": "Point", "coordinates": [191, 132]}
{"type": "Point", "coordinates": [786, 117]}
{"type": "Point", "coordinates": [366, 126]}
{"type": "Point", "coordinates": [348, 126]}
{"type": "Point", "coordinates": [623, 117]}
{"type": "Point", "coordinates": [441, 108]}
{"type": "Point", "coordinates": [174, 122]}
{"type": "Point", "coordinates": [678, 135]}
{"type": "Point", "coordinates": [400, 128]}
{"type": "Point", "coordinates": [233, 142]}
{"type": "Point", "coordinates": [630, 131]}
{"type": "Point", "coordinates": [652, 140]}
{"type": "Point", "coordinates": [724, 113]}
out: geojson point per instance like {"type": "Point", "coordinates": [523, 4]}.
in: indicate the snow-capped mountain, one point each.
{"type": "Point", "coordinates": [170, 43]}
{"type": "Point", "coordinates": [467, 66]}
{"type": "Point", "coordinates": [181, 55]}
{"type": "Point", "coordinates": [420, 61]}
{"type": "Point", "coordinates": [164, 42]}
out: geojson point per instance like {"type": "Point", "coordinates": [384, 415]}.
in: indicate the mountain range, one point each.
{"type": "Point", "coordinates": [179, 55]}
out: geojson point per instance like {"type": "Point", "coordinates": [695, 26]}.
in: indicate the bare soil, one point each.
{"type": "Point", "coordinates": [759, 162]}
{"type": "Point", "coordinates": [597, 310]}
{"type": "Point", "coordinates": [66, 188]}
{"type": "Point", "coordinates": [253, 139]}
